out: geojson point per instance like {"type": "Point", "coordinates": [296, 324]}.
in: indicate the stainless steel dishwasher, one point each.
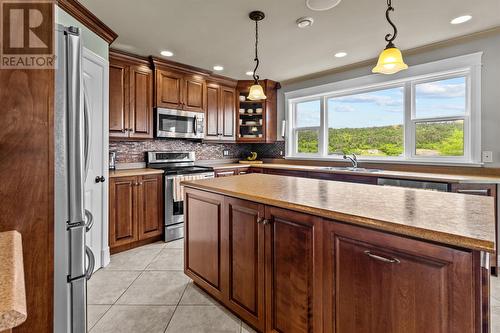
{"type": "Point", "coordinates": [419, 184]}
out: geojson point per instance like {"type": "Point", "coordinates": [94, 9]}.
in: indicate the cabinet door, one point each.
{"type": "Point", "coordinates": [293, 272]}
{"type": "Point", "coordinates": [118, 99]}
{"type": "Point", "coordinates": [246, 259]}
{"type": "Point", "coordinates": [381, 283]}
{"type": "Point", "coordinates": [169, 89]}
{"type": "Point", "coordinates": [227, 117]}
{"type": "Point", "coordinates": [194, 93]}
{"type": "Point", "coordinates": [205, 258]}
{"type": "Point", "coordinates": [122, 211]}
{"type": "Point", "coordinates": [212, 116]}
{"type": "Point", "coordinates": [141, 108]}
{"type": "Point", "coordinates": [150, 206]}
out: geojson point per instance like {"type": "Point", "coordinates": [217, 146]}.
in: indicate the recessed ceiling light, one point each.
{"type": "Point", "coordinates": [340, 54]}
{"type": "Point", "coordinates": [304, 22]}
{"type": "Point", "coordinates": [249, 73]}
{"type": "Point", "coordinates": [319, 5]}
{"type": "Point", "coordinates": [166, 53]}
{"type": "Point", "coordinates": [218, 68]}
{"type": "Point", "coordinates": [461, 19]}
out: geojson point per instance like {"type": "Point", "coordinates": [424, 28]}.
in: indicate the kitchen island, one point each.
{"type": "Point", "coordinates": [290, 254]}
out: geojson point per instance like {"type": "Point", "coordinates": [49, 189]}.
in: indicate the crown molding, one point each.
{"type": "Point", "coordinates": [88, 19]}
{"type": "Point", "coordinates": [407, 52]}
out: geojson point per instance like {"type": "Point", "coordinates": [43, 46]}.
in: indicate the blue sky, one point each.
{"type": "Point", "coordinates": [385, 107]}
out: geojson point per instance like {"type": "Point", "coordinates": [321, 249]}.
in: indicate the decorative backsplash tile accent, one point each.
{"type": "Point", "coordinates": [135, 151]}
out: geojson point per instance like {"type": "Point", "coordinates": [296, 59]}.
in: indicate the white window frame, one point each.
{"type": "Point", "coordinates": [468, 66]}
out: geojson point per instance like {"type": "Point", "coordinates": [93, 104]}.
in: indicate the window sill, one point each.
{"type": "Point", "coordinates": [388, 161]}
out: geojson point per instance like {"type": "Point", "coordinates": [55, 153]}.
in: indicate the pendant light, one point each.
{"type": "Point", "coordinates": [390, 60]}
{"type": "Point", "coordinates": [256, 92]}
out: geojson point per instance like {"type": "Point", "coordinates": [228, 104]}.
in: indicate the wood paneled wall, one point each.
{"type": "Point", "coordinates": [26, 191]}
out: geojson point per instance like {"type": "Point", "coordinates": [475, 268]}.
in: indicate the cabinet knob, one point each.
{"type": "Point", "coordinates": [124, 130]}
{"type": "Point", "coordinates": [260, 220]}
{"type": "Point", "coordinates": [130, 129]}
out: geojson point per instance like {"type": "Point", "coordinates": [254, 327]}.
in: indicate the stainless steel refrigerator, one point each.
{"type": "Point", "coordinates": [73, 260]}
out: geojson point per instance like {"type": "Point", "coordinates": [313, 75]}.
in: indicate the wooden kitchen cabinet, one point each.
{"type": "Point", "coordinates": [221, 111]}
{"type": "Point", "coordinates": [410, 284]}
{"type": "Point", "coordinates": [257, 127]}
{"type": "Point", "coordinates": [135, 211]}
{"type": "Point", "coordinates": [293, 272]}
{"type": "Point", "coordinates": [205, 256]}
{"type": "Point", "coordinates": [130, 97]}
{"type": "Point", "coordinates": [245, 246]}
{"type": "Point", "coordinates": [179, 86]}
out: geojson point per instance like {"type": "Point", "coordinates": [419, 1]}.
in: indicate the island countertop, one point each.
{"type": "Point", "coordinates": [465, 221]}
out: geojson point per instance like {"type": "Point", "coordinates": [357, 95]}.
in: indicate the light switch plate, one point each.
{"type": "Point", "coordinates": [225, 152]}
{"type": "Point", "coordinates": [487, 157]}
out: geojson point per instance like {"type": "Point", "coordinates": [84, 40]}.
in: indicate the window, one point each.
{"type": "Point", "coordinates": [428, 116]}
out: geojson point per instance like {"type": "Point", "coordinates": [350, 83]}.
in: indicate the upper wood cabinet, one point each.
{"type": "Point", "coordinates": [130, 97]}
{"type": "Point", "coordinates": [179, 86]}
{"type": "Point", "coordinates": [220, 120]}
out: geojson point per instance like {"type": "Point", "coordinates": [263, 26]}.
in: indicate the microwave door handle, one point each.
{"type": "Point", "coordinates": [195, 124]}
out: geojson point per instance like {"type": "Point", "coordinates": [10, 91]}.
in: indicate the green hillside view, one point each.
{"type": "Point", "coordinates": [432, 139]}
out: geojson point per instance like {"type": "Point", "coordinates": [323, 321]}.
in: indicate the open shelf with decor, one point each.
{"type": "Point", "coordinates": [257, 120]}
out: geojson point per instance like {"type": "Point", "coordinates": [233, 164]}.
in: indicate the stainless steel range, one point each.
{"type": "Point", "coordinates": [178, 166]}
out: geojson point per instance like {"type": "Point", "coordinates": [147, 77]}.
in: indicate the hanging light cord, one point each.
{"type": "Point", "coordinates": [255, 76]}
{"type": "Point", "coordinates": [390, 37]}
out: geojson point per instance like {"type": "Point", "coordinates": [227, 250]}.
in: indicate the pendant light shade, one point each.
{"type": "Point", "coordinates": [390, 60]}
{"type": "Point", "coordinates": [256, 92]}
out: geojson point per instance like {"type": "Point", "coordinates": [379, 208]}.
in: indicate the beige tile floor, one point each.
{"type": "Point", "coordinates": [145, 290]}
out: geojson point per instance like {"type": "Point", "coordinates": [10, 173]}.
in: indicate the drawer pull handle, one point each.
{"type": "Point", "coordinates": [383, 259]}
{"type": "Point", "coordinates": [479, 192]}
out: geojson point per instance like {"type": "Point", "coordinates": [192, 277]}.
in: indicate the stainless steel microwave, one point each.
{"type": "Point", "coordinates": [179, 124]}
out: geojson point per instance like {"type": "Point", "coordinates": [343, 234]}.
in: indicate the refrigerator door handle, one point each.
{"type": "Point", "coordinates": [89, 220]}
{"type": "Point", "coordinates": [86, 114]}
{"type": "Point", "coordinates": [90, 268]}
{"type": "Point", "coordinates": [76, 129]}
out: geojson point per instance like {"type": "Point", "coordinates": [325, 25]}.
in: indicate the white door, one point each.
{"type": "Point", "coordinates": [95, 80]}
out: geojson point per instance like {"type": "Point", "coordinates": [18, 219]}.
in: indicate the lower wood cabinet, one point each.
{"type": "Point", "coordinates": [376, 282]}
{"type": "Point", "coordinates": [231, 172]}
{"type": "Point", "coordinates": [284, 271]}
{"type": "Point", "coordinates": [135, 211]}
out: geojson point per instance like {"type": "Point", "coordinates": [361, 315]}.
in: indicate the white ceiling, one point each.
{"type": "Point", "coordinates": [205, 33]}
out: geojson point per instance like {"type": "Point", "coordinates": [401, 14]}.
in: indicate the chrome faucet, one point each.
{"type": "Point", "coordinates": [353, 159]}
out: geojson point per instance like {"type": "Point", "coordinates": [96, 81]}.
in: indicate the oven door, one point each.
{"type": "Point", "coordinates": [179, 124]}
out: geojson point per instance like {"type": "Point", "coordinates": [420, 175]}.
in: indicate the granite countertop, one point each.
{"type": "Point", "coordinates": [134, 172]}
{"type": "Point", "coordinates": [466, 221]}
{"type": "Point", "coordinates": [12, 291]}
{"type": "Point", "coordinates": [447, 178]}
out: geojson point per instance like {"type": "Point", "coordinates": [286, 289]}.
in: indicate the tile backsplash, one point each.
{"type": "Point", "coordinates": [135, 151]}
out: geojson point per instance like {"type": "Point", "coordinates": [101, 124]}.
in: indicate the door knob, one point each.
{"type": "Point", "coordinates": [100, 179]}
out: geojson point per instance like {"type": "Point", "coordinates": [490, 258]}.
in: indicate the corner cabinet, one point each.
{"type": "Point", "coordinates": [130, 97]}
{"type": "Point", "coordinates": [220, 120]}
{"type": "Point", "coordinates": [135, 211]}
{"type": "Point", "coordinates": [257, 120]}
{"type": "Point", "coordinates": [284, 271]}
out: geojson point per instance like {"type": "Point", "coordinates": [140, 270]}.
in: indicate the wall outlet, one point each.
{"type": "Point", "coordinates": [225, 152]}
{"type": "Point", "coordinates": [281, 152]}
{"type": "Point", "coordinates": [487, 157]}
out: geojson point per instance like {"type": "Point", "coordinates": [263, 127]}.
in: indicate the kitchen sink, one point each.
{"type": "Point", "coordinates": [349, 169]}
